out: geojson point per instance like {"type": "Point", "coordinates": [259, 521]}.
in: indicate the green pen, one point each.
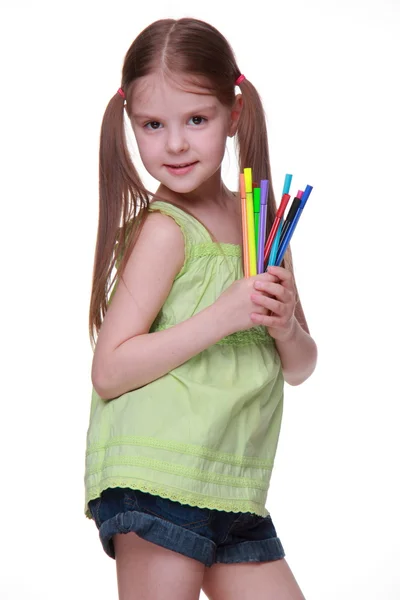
{"type": "Point", "coordinates": [256, 199]}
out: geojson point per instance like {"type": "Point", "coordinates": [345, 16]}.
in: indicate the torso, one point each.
{"type": "Point", "coordinates": [225, 224]}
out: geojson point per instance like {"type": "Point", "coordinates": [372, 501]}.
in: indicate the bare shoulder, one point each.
{"type": "Point", "coordinates": [156, 259]}
{"type": "Point", "coordinates": [160, 232]}
{"type": "Point", "coordinates": [159, 252]}
{"type": "Point", "coordinates": [164, 227]}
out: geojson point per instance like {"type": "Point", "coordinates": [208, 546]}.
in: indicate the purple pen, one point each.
{"type": "Point", "coordinates": [262, 227]}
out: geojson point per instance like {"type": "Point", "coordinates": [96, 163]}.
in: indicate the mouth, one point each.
{"type": "Point", "coordinates": [181, 168]}
{"type": "Point", "coordinates": [181, 165]}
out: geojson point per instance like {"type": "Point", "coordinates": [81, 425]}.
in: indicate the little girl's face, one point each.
{"type": "Point", "coordinates": [181, 135]}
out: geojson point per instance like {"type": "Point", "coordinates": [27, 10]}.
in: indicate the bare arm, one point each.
{"type": "Point", "coordinates": [127, 356]}
{"type": "Point", "coordinates": [299, 351]}
{"type": "Point", "coordinates": [287, 324]}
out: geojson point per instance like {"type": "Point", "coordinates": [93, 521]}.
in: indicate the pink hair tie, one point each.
{"type": "Point", "coordinates": [121, 93]}
{"type": "Point", "coordinates": [240, 79]}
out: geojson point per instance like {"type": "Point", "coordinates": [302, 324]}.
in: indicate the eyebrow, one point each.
{"type": "Point", "coordinates": [196, 111]}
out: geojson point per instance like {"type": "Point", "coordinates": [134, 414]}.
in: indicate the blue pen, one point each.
{"type": "Point", "coordinates": [275, 246]}
{"type": "Point", "coordinates": [286, 239]}
{"type": "Point", "coordinates": [286, 185]}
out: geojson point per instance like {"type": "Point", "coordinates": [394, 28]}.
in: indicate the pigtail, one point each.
{"type": "Point", "coordinates": [253, 150]}
{"type": "Point", "coordinates": [122, 203]}
{"type": "Point", "coordinates": [186, 46]}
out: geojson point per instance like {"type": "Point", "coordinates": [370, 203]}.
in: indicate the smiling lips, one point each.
{"type": "Point", "coordinates": [181, 169]}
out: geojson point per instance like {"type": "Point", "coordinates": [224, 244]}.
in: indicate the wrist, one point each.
{"type": "Point", "coordinates": [289, 334]}
{"type": "Point", "coordinates": [221, 321]}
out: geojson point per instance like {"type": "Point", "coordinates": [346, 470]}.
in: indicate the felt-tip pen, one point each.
{"type": "Point", "coordinates": [278, 217]}
{"type": "Point", "coordinates": [292, 227]}
{"type": "Point", "coordinates": [262, 225]}
{"type": "Point", "coordinates": [291, 214]}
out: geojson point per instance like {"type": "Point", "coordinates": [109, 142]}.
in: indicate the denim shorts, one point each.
{"type": "Point", "coordinates": [209, 536]}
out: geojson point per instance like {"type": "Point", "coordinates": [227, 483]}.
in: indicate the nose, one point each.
{"type": "Point", "coordinates": [177, 142]}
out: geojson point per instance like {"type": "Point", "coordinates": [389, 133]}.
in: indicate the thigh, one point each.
{"type": "Point", "coordinates": [146, 571]}
{"type": "Point", "coordinates": [271, 580]}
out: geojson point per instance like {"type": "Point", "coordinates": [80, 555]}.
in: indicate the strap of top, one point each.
{"type": "Point", "coordinates": [193, 231]}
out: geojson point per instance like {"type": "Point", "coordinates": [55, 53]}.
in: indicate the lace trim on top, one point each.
{"type": "Point", "coordinates": [181, 496]}
{"type": "Point", "coordinates": [255, 335]}
{"type": "Point", "coordinates": [173, 469]}
{"type": "Point", "coordinates": [191, 449]}
{"type": "Point", "coordinates": [213, 249]}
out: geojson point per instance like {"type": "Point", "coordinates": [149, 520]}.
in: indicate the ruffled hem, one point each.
{"type": "Point", "coordinates": [181, 496]}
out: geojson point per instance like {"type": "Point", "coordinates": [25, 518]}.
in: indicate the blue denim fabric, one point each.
{"type": "Point", "coordinates": [209, 536]}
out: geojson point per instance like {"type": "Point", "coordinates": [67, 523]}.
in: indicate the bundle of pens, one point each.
{"type": "Point", "coordinates": [262, 249]}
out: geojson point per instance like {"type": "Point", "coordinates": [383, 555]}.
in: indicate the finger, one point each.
{"type": "Point", "coordinates": [259, 310]}
{"type": "Point", "coordinates": [258, 306]}
{"type": "Point", "coordinates": [266, 277]}
{"type": "Point", "coordinates": [274, 289]}
{"type": "Point", "coordinates": [269, 303]}
{"type": "Point", "coordinates": [284, 275]}
{"type": "Point", "coordinates": [266, 320]}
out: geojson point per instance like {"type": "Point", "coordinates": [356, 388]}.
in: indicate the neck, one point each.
{"type": "Point", "coordinates": [213, 192]}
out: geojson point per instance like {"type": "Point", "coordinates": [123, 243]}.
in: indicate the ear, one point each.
{"type": "Point", "coordinates": [235, 115]}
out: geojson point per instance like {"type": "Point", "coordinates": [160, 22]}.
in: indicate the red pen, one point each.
{"type": "Point", "coordinates": [274, 229]}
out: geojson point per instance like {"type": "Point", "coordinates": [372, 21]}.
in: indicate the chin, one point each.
{"type": "Point", "coordinates": [182, 185]}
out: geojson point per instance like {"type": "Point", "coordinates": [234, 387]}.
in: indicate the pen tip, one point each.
{"type": "Point", "coordinates": [242, 186]}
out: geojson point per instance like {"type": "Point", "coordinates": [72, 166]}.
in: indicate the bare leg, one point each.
{"type": "Point", "coordinates": [146, 571]}
{"type": "Point", "coordinates": [251, 581]}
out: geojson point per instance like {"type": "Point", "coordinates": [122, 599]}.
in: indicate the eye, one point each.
{"type": "Point", "coordinates": [197, 120]}
{"type": "Point", "coordinates": [153, 125]}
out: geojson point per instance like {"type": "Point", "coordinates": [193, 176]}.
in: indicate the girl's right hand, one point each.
{"type": "Point", "coordinates": [235, 305]}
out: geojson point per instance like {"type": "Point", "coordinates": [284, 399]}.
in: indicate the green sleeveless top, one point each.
{"type": "Point", "coordinates": [204, 434]}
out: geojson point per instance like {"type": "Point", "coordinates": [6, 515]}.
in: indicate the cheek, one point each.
{"type": "Point", "coordinates": [147, 149]}
{"type": "Point", "coordinates": [217, 152]}
{"type": "Point", "coordinates": [215, 144]}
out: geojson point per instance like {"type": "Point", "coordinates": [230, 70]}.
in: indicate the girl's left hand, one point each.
{"type": "Point", "coordinates": [278, 295]}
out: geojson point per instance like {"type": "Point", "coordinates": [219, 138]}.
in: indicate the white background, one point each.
{"type": "Point", "coordinates": [327, 73]}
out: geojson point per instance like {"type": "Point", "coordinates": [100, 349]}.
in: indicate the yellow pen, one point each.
{"type": "Point", "coordinates": [246, 268]}
{"type": "Point", "coordinates": [251, 240]}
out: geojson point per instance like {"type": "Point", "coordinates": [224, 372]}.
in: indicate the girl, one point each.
{"type": "Point", "coordinates": [191, 357]}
